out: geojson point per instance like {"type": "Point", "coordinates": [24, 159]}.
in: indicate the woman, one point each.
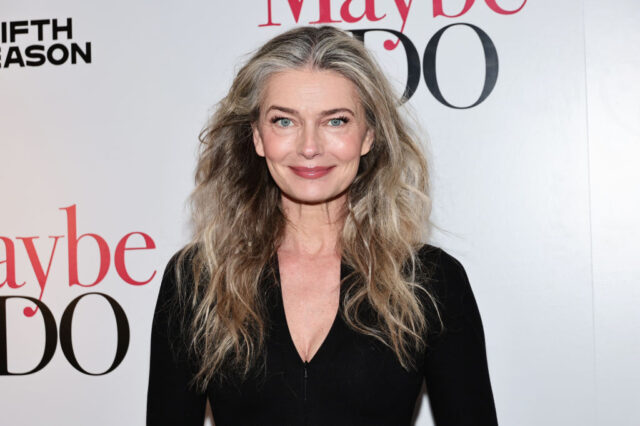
{"type": "Point", "coordinates": [306, 296]}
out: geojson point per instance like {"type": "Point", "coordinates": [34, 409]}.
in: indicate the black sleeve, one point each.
{"type": "Point", "coordinates": [170, 400]}
{"type": "Point", "coordinates": [456, 372]}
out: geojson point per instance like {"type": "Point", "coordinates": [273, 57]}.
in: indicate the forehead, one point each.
{"type": "Point", "coordinates": [309, 90]}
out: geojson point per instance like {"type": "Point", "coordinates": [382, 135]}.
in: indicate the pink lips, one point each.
{"type": "Point", "coordinates": [311, 172]}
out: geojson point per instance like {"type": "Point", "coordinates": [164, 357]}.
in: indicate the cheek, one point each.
{"type": "Point", "coordinates": [276, 146]}
{"type": "Point", "coordinates": [346, 151]}
{"type": "Point", "coordinates": [347, 148]}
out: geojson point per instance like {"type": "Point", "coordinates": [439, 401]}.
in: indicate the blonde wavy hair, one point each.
{"type": "Point", "coordinates": [239, 223]}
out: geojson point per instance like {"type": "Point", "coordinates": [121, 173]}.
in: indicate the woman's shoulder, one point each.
{"type": "Point", "coordinates": [171, 316]}
{"type": "Point", "coordinates": [444, 277]}
{"type": "Point", "coordinates": [180, 263]}
{"type": "Point", "coordinates": [177, 278]}
{"type": "Point", "coordinates": [439, 263]}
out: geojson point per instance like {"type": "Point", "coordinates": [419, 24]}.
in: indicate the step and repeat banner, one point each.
{"type": "Point", "coordinates": [529, 114]}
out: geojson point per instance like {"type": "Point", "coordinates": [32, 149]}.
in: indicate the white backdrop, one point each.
{"type": "Point", "coordinates": [535, 189]}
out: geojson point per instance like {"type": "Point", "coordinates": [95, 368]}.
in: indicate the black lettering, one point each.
{"type": "Point", "coordinates": [55, 29]}
{"type": "Point", "coordinates": [122, 325]}
{"type": "Point", "coordinates": [17, 27]}
{"type": "Point", "coordinates": [77, 51]}
{"type": "Point", "coordinates": [35, 55]}
{"type": "Point", "coordinates": [413, 59]}
{"type": "Point", "coordinates": [13, 57]}
{"type": "Point", "coordinates": [40, 23]}
{"type": "Point", "coordinates": [491, 65]}
{"type": "Point", "coordinates": [60, 47]}
{"type": "Point", "coordinates": [50, 337]}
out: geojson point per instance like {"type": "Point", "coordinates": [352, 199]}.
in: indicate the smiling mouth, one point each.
{"type": "Point", "coordinates": [311, 172]}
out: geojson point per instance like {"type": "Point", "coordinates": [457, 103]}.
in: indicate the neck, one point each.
{"type": "Point", "coordinates": [313, 229]}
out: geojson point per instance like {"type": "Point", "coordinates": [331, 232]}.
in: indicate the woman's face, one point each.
{"type": "Point", "coordinates": [312, 132]}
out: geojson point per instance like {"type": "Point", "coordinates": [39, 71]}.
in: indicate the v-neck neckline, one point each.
{"type": "Point", "coordinates": [328, 339]}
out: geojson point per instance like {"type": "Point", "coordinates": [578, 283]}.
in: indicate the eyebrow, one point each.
{"type": "Point", "coordinates": [323, 113]}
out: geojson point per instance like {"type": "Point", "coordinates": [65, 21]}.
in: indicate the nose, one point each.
{"type": "Point", "coordinates": [310, 143]}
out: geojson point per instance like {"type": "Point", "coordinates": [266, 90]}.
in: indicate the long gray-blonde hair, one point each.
{"type": "Point", "coordinates": [239, 223]}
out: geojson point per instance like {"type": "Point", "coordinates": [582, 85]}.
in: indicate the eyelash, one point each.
{"type": "Point", "coordinates": [344, 119]}
{"type": "Point", "coordinates": [277, 118]}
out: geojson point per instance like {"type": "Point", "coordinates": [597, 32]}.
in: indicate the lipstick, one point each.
{"type": "Point", "coordinates": [311, 172]}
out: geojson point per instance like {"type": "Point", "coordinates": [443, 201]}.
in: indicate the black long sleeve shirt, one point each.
{"type": "Point", "coordinates": [352, 379]}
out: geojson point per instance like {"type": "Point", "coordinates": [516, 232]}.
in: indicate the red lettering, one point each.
{"type": "Point", "coordinates": [369, 12]}
{"type": "Point", "coordinates": [494, 6]}
{"type": "Point", "coordinates": [73, 250]}
{"type": "Point", "coordinates": [294, 5]}
{"type": "Point", "coordinates": [439, 11]}
{"type": "Point", "coordinates": [41, 275]}
{"type": "Point", "coordinates": [10, 260]}
{"type": "Point", "coordinates": [121, 248]}
{"type": "Point", "coordinates": [269, 21]}
{"type": "Point", "coordinates": [403, 10]}
{"type": "Point", "coordinates": [325, 13]}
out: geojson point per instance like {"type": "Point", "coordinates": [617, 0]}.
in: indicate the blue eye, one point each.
{"type": "Point", "coordinates": [284, 122]}
{"type": "Point", "coordinates": [338, 121]}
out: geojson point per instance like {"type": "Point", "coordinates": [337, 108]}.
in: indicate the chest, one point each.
{"type": "Point", "coordinates": [352, 380]}
{"type": "Point", "coordinates": [310, 296]}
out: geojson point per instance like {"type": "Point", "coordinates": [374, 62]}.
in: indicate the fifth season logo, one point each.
{"type": "Point", "coordinates": [36, 42]}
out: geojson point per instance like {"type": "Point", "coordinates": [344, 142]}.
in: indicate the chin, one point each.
{"type": "Point", "coordinates": [314, 197]}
